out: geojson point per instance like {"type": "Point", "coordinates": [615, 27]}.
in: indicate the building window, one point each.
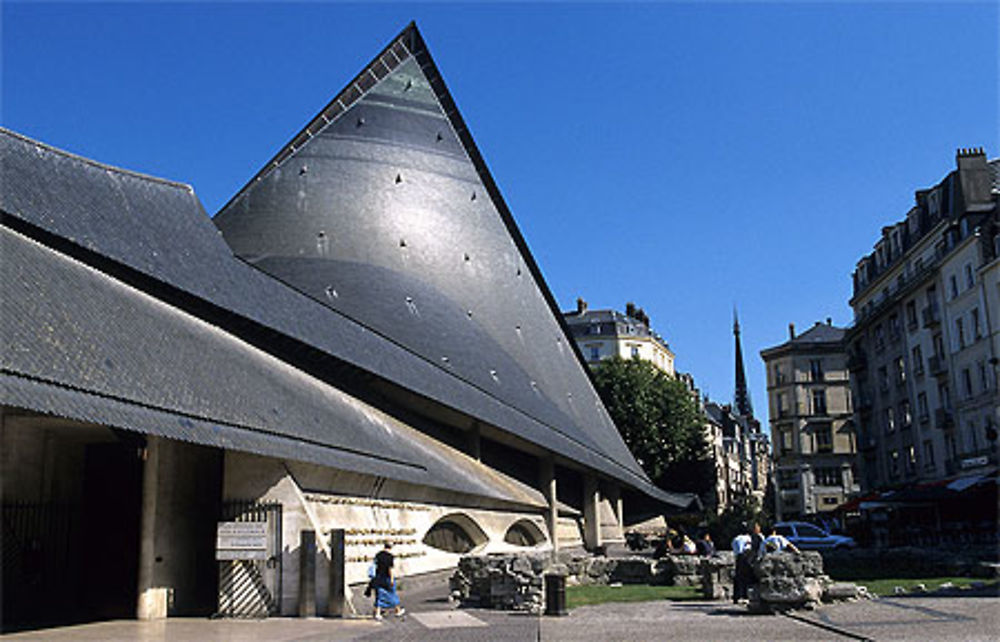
{"type": "Point", "coordinates": [635, 352]}
{"type": "Point", "coordinates": [977, 332]}
{"type": "Point", "coordinates": [828, 476]}
{"type": "Point", "coordinates": [960, 332]}
{"type": "Point", "coordinates": [816, 369]}
{"type": "Point", "coordinates": [883, 379]}
{"type": "Point", "coordinates": [894, 330]}
{"type": "Point", "coordinates": [973, 437]}
{"type": "Point", "coordinates": [911, 460]}
{"type": "Point", "coordinates": [782, 405]}
{"type": "Point", "coordinates": [944, 395]}
{"type": "Point", "coordinates": [786, 441]}
{"type": "Point", "coordinates": [779, 376]}
{"type": "Point", "coordinates": [900, 367]}
{"type": "Point", "coordinates": [928, 454]}
{"type": "Point", "coordinates": [967, 382]}
{"type": "Point", "coordinates": [819, 402]}
{"type": "Point", "coordinates": [894, 463]}
{"type": "Point", "coordinates": [950, 445]}
{"type": "Point", "coordinates": [918, 361]}
{"type": "Point", "coordinates": [969, 278]}
{"type": "Point", "coordinates": [879, 337]}
{"type": "Point", "coordinates": [953, 282]}
{"type": "Point", "coordinates": [595, 328]}
{"type": "Point", "coordinates": [922, 406]}
{"type": "Point", "coordinates": [788, 479]}
{"type": "Point", "coordinates": [889, 420]}
{"type": "Point", "coordinates": [905, 419]}
{"type": "Point", "coordinates": [984, 381]}
{"type": "Point", "coordinates": [911, 315]}
{"type": "Point", "coordinates": [824, 438]}
{"type": "Point", "coordinates": [595, 353]}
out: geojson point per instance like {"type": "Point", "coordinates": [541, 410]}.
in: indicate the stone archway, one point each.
{"type": "Point", "coordinates": [456, 533]}
{"type": "Point", "coordinates": [524, 533]}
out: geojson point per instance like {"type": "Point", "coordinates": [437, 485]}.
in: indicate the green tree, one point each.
{"type": "Point", "coordinates": [656, 415]}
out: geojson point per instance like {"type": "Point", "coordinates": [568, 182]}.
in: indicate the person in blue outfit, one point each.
{"type": "Point", "coordinates": [384, 583]}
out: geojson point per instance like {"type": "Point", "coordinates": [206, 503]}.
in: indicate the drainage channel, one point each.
{"type": "Point", "coordinates": [829, 627]}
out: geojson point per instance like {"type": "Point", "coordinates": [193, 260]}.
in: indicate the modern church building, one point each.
{"type": "Point", "coordinates": [359, 340]}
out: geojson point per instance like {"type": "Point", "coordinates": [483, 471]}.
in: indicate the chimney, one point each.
{"type": "Point", "coordinates": [791, 331]}
{"type": "Point", "coordinates": [975, 176]}
{"type": "Point", "coordinates": [829, 321]}
{"type": "Point", "coordinates": [581, 305]}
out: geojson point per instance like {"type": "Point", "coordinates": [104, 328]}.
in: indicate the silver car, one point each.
{"type": "Point", "coordinates": [808, 537]}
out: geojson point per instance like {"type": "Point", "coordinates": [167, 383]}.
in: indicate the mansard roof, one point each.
{"type": "Point", "coordinates": [820, 336]}
{"type": "Point", "coordinates": [456, 312]}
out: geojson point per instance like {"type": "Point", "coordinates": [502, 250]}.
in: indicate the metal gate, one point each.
{"type": "Point", "coordinates": [36, 558]}
{"type": "Point", "coordinates": [252, 588]}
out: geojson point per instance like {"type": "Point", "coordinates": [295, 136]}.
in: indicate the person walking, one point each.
{"type": "Point", "coordinates": [384, 583]}
{"type": "Point", "coordinates": [742, 572]}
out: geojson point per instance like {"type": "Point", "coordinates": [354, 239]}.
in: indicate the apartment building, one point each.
{"type": "Point", "coordinates": [922, 350]}
{"type": "Point", "coordinates": [811, 419]}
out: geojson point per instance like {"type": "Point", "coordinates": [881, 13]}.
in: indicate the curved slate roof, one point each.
{"type": "Point", "coordinates": [510, 365]}
{"type": "Point", "coordinates": [383, 210]}
{"type": "Point", "coordinates": [165, 372]}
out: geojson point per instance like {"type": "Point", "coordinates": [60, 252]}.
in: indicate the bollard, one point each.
{"type": "Point", "coordinates": [307, 574]}
{"type": "Point", "coordinates": [336, 607]}
{"type": "Point", "coordinates": [555, 594]}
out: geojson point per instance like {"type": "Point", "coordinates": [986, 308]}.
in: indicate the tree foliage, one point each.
{"type": "Point", "coordinates": [655, 413]}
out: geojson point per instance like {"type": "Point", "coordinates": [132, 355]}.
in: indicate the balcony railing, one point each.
{"type": "Point", "coordinates": [931, 316]}
{"type": "Point", "coordinates": [937, 365]}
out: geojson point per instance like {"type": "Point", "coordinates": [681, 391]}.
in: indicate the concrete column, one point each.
{"type": "Point", "coordinates": [474, 448]}
{"type": "Point", "coordinates": [591, 513]}
{"type": "Point", "coordinates": [152, 602]}
{"type": "Point", "coordinates": [548, 486]}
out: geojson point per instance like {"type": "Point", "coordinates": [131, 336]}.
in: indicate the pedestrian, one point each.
{"type": "Point", "coordinates": [741, 545]}
{"type": "Point", "coordinates": [384, 583]}
{"type": "Point", "coordinates": [706, 546]}
{"type": "Point", "coordinates": [688, 546]}
{"type": "Point", "coordinates": [776, 543]}
{"type": "Point", "coordinates": [747, 547]}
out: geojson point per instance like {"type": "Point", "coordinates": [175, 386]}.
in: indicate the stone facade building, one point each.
{"type": "Point", "coordinates": [811, 418]}
{"type": "Point", "coordinates": [922, 349]}
{"type": "Point", "coordinates": [601, 334]}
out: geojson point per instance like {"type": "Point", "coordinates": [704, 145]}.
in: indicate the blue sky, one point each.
{"type": "Point", "coordinates": [688, 157]}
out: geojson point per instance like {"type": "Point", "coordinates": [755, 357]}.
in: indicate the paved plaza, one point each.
{"type": "Point", "coordinates": [903, 618]}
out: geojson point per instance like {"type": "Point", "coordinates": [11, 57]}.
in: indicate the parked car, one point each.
{"type": "Point", "coordinates": [808, 537]}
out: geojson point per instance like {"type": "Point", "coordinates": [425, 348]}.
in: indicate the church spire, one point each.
{"type": "Point", "coordinates": [741, 400]}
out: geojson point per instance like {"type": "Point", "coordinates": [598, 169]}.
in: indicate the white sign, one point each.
{"type": "Point", "coordinates": [974, 461]}
{"type": "Point", "coordinates": [241, 541]}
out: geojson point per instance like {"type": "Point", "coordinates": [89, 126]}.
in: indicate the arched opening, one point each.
{"type": "Point", "coordinates": [455, 533]}
{"type": "Point", "coordinates": [524, 533]}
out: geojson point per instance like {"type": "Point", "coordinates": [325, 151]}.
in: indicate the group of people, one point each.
{"type": "Point", "coordinates": [750, 545]}
{"type": "Point", "coordinates": [680, 543]}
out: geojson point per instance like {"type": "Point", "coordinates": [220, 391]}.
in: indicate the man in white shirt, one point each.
{"type": "Point", "coordinates": [776, 543]}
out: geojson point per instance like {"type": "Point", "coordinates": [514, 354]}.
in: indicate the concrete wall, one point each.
{"type": "Point", "coordinates": [371, 510]}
